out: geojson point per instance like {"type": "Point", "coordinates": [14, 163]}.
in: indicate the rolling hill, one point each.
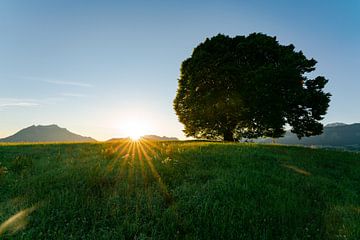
{"type": "Point", "coordinates": [49, 133]}
{"type": "Point", "coordinates": [178, 190]}
{"type": "Point", "coordinates": [334, 135]}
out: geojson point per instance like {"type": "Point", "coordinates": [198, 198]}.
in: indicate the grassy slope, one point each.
{"type": "Point", "coordinates": [182, 190]}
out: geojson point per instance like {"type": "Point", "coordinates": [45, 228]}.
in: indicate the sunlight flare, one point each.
{"type": "Point", "coordinates": [16, 222]}
{"type": "Point", "coordinates": [135, 128]}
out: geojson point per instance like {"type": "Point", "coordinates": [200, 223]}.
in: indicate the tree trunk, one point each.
{"type": "Point", "coordinates": [228, 136]}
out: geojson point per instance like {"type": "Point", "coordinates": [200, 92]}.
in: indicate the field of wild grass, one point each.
{"type": "Point", "coordinates": [177, 190]}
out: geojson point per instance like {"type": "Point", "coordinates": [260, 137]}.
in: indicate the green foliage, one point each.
{"type": "Point", "coordinates": [185, 190]}
{"type": "Point", "coordinates": [20, 163]}
{"type": "Point", "coordinates": [249, 87]}
{"type": "Point", "coordinates": [3, 170]}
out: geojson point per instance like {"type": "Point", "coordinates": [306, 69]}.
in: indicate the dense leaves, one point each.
{"type": "Point", "coordinates": [247, 87]}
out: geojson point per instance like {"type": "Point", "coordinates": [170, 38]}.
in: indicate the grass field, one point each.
{"type": "Point", "coordinates": [178, 190]}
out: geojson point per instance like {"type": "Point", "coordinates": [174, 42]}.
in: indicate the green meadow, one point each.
{"type": "Point", "coordinates": [177, 190]}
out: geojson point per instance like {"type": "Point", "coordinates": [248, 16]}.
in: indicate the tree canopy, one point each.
{"type": "Point", "coordinates": [249, 87]}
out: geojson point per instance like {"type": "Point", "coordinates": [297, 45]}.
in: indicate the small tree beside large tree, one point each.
{"type": "Point", "coordinates": [249, 87]}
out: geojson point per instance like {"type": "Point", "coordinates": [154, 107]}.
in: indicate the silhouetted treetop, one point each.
{"type": "Point", "coordinates": [249, 86]}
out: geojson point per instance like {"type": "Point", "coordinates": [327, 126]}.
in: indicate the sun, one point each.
{"type": "Point", "coordinates": [135, 136]}
{"type": "Point", "coordinates": [134, 128]}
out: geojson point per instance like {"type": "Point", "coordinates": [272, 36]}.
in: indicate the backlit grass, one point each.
{"type": "Point", "coordinates": [177, 190]}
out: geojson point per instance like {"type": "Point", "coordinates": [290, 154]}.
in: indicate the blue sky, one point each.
{"type": "Point", "coordinates": [95, 66]}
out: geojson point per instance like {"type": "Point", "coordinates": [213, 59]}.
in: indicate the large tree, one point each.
{"type": "Point", "coordinates": [248, 87]}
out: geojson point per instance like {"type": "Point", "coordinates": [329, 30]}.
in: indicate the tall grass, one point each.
{"type": "Point", "coordinates": [177, 190]}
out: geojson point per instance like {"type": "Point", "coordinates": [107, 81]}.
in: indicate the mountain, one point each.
{"type": "Point", "coordinates": [334, 135]}
{"type": "Point", "coordinates": [337, 124]}
{"type": "Point", "coordinates": [49, 133]}
{"type": "Point", "coordinates": [147, 137]}
{"type": "Point", "coordinates": [158, 138]}
{"type": "Point", "coordinates": [117, 139]}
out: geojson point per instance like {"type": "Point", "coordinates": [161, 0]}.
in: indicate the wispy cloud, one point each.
{"type": "Point", "coordinates": [55, 81]}
{"type": "Point", "coordinates": [70, 83]}
{"type": "Point", "coordinates": [19, 104]}
{"type": "Point", "coordinates": [78, 95]}
{"type": "Point", "coordinates": [8, 103]}
{"type": "Point", "coordinates": [16, 102]}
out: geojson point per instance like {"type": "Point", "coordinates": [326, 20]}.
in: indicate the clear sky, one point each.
{"type": "Point", "coordinates": [95, 67]}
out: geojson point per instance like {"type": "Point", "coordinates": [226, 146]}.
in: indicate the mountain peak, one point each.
{"type": "Point", "coordinates": [46, 133]}
{"type": "Point", "coordinates": [335, 124]}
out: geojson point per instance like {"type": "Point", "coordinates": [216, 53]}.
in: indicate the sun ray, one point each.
{"type": "Point", "coordinates": [157, 176]}
{"type": "Point", "coordinates": [126, 147]}
{"type": "Point", "coordinates": [135, 160]}
{"type": "Point", "coordinates": [150, 147]}
{"type": "Point", "coordinates": [153, 144]}
{"type": "Point", "coordinates": [118, 154]}
{"type": "Point", "coordinates": [131, 163]}
{"type": "Point", "coordinates": [124, 163]}
{"type": "Point", "coordinates": [141, 160]}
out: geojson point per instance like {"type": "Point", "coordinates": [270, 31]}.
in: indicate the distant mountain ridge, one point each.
{"type": "Point", "coordinates": [336, 124]}
{"type": "Point", "coordinates": [147, 137]}
{"type": "Point", "coordinates": [48, 133]}
{"type": "Point", "coordinates": [334, 135]}
{"type": "Point", "coordinates": [158, 138]}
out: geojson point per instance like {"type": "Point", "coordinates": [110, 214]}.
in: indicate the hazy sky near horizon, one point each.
{"type": "Point", "coordinates": [96, 66]}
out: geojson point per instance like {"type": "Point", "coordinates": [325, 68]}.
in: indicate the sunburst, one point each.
{"type": "Point", "coordinates": [140, 155]}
